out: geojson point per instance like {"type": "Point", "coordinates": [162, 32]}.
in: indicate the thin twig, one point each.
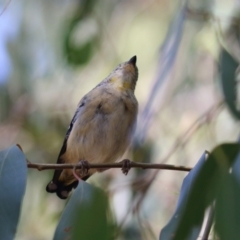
{"type": "Point", "coordinates": [41, 166]}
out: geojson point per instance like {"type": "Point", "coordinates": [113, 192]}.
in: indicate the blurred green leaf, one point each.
{"type": "Point", "coordinates": [85, 216]}
{"type": "Point", "coordinates": [169, 230]}
{"type": "Point", "coordinates": [13, 174]}
{"type": "Point", "coordinates": [78, 54]}
{"type": "Point", "coordinates": [228, 67]}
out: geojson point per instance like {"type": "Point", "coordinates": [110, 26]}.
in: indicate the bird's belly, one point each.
{"type": "Point", "coordinates": [101, 138]}
{"type": "Point", "coordinates": [99, 147]}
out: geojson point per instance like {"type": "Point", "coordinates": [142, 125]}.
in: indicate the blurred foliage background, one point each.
{"type": "Point", "coordinates": [53, 52]}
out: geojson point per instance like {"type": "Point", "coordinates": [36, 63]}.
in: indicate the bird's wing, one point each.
{"type": "Point", "coordinates": [57, 173]}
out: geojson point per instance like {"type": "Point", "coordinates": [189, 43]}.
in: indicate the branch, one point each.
{"type": "Point", "coordinates": [41, 166]}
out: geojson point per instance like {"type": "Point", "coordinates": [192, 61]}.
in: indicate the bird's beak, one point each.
{"type": "Point", "coordinates": [133, 60]}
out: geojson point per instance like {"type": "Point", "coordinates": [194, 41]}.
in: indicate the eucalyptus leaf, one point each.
{"type": "Point", "coordinates": [227, 204]}
{"type": "Point", "coordinates": [206, 186]}
{"type": "Point", "coordinates": [13, 175]}
{"type": "Point", "coordinates": [227, 209]}
{"type": "Point", "coordinates": [228, 69]}
{"type": "Point", "coordinates": [200, 189]}
{"type": "Point", "coordinates": [85, 215]}
{"type": "Point", "coordinates": [169, 230]}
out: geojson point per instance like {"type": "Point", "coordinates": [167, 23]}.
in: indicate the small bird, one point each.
{"type": "Point", "coordinates": [101, 128]}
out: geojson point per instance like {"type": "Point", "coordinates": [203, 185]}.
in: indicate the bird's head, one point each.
{"type": "Point", "coordinates": [125, 75]}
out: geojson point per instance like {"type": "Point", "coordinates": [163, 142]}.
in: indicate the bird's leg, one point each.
{"type": "Point", "coordinates": [84, 167]}
{"type": "Point", "coordinates": [126, 166]}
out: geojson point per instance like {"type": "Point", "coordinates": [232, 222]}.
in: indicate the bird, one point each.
{"type": "Point", "coordinates": [101, 128]}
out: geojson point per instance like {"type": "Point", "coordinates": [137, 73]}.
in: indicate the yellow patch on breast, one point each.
{"type": "Point", "coordinates": [126, 85]}
{"type": "Point", "coordinates": [120, 84]}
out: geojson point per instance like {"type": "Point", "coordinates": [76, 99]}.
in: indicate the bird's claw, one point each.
{"type": "Point", "coordinates": [84, 167]}
{"type": "Point", "coordinates": [126, 166]}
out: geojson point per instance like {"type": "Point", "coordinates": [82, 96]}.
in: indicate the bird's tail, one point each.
{"type": "Point", "coordinates": [62, 190]}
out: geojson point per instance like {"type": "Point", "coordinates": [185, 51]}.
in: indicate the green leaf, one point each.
{"type": "Point", "coordinates": [227, 205]}
{"type": "Point", "coordinates": [169, 230]}
{"type": "Point", "coordinates": [227, 209]}
{"type": "Point", "coordinates": [85, 215]}
{"type": "Point", "coordinates": [228, 69]}
{"type": "Point", "coordinates": [205, 187]}
{"type": "Point", "coordinates": [13, 174]}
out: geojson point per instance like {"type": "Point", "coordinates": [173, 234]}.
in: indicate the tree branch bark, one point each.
{"type": "Point", "coordinates": [40, 166]}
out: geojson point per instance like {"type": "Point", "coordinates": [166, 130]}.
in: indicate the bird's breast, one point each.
{"type": "Point", "coordinates": [102, 131]}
